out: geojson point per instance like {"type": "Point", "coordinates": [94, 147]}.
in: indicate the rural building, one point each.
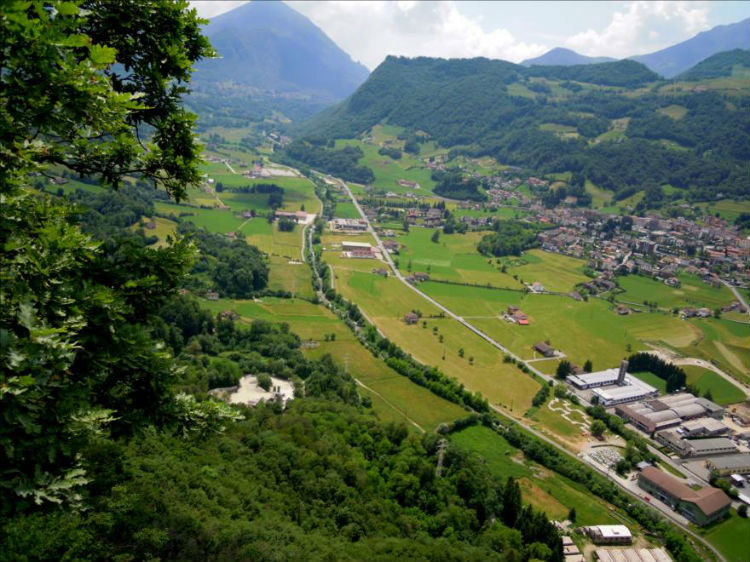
{"type": "Point", "coordinates": [537, 287]}
{"type": "Point", "coordinates": [609, 534]}
{"type": "Point", "coordinates": [408, 183]}
{"type": "Point", "coordinates": [632, 555]}
{"type": "Point", "coordinates": [391, 246]}
{"type": "Point", "coordinates": [702, 506]}
{"type": "Point", "coordinates": [411, 318]}
{"type": "Point", "coordinates": [545, 349]}
{"type": "Point", "coordinates": [299, 216]}
{"type": "Point", "coordinates": [348, 225]}
{"type": "Point", "coordinates": [736, 464]}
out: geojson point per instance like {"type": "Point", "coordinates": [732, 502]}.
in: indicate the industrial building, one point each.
{"type": "Point", "coordinates": [614, 386]}
{"type": "Point", "coordinates": [703, 427]}
{"type": "Point", "coordinates": [632, 555]}
{"type": "Point", "coordinates": [609, 534]}
{"type": "Point", "coordinates": [348, 225]}
{"type": "Point", "coordinates": [670, 411]}
{"type": "Point", "coordinates": [695, 447]}
{"type": "Point", "coordinates": [702, 506]}
{"type": "Point", "coordinates": [735, 464]}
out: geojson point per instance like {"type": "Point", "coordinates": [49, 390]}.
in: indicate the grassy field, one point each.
{"type": "Point", "coordinates": [653, 380]}
{"type": "Point", "coordinates": [693, 292]}
{"type": "Point", "coordinates": [727, 209]}
{"type": "Point", "coordinates": [388, 171]}
{"type": "Point", "coordinates": [674, 111]}
{"type": "Point", "coordinates": [163, 228]}
{"type": "Point", "coordinates": [551, 493]}
{"type": "Point", "coordinates": [454, 258]}
{"type": "Point", "coordinates": [386, 300]}
{"type": "Point", "coordinates": [727, 537]}
{"type": "Point", "coordinates": [555, 271]}
{"type": "Point", "coordinates": [723, 391]}
{"type": "Point", "coordinates": [213, 220]}
{"type": "Point", "coordinates": [725, 342]}
{"type": "Point", "coordinates": [599, 197]}
{"type": "Point", "coordinates": [395, 398]}
{"type": "Point", "coordinates": [582, 330]}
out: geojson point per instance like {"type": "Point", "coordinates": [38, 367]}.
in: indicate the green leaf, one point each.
{"type": "Point", "coordinates": [101, 55]}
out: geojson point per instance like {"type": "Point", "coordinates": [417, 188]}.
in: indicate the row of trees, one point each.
{"type": "Point", "coordinates": [674, 376]}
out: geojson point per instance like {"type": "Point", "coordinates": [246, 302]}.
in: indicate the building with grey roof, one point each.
{"type": "Point", "coordinates": [734, 464]}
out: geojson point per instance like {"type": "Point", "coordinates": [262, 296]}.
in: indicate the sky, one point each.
{"type": "Point", "coordinates": [511, 30]}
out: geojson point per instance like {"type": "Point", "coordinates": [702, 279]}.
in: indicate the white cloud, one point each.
{"type": "Point", "coordinates": [208, 9]}
{"type": "Point", "coordinates": [369, 31]}
{"type": "Point", "coordinates": [642, 27]}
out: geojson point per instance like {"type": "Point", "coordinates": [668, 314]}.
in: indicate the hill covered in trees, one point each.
{"type": "Point", "coordinates": [718, 65]}
{"type": "Point", "coordinates": [623, 139]}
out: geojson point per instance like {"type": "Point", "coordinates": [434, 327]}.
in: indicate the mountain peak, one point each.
{"type": "Point", "coordinates": [272, 47]}
{"type": "Point", "coordinates": [559, 56]}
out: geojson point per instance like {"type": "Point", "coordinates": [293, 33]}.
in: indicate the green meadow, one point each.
{"type": "Point", "coordinates": [723, 391]}
{"type": "Point", "coordinates": [692, 292]}
{"type": "Point", "coordinates": [582, 330]}
{"type": "Point", "coordinates": [385, 301]}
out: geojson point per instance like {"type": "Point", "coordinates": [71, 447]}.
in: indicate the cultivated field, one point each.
{"type": "Point", "coordinates": [385, 301]}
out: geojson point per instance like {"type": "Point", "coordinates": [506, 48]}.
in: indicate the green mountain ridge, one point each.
{"type": "Point", "coordinates": [717, 66]}
{"type": "Point", "coordinates": [496, 108]}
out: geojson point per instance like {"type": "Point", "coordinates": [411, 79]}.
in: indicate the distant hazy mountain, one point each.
{"type": "Point", "coordinates": [564, 57]}
{"type": "Point", "coordinates": [270, 47]}
{"type": "Point", "coordinates": [678, 58]}
{"type": "Point", "coordinates": [718, 65]}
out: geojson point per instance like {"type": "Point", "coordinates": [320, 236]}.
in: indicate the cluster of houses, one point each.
{"type": "Point", "coordinates": [651, 246]}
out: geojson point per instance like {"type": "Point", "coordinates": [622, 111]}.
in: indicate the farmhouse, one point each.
{"type": "Point", "coordinates": [545, 349]}
{"type": "Point", "coordinates": [411, 318]}
{"type": "Point", "coordinates": [299, 216]}
{"type": "Point", "coordinates": [702, 506]}
{"type": "Point", "coordinates": [408, 183]}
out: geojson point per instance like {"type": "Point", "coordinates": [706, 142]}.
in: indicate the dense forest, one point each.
{"type": "Point", "coordinates": [496, 108]}
{"type": "Point", "coordinates": [453, 185]}
{"type": "Point", "coordinates": [317, 153]}
{"type": "Point", "coordinates": [510, 238]}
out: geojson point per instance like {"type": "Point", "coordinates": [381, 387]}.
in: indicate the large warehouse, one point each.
{"type": "Point", "coordinates": [614, 386]}
{"type": "Point", "coordinates": [670, 411]}
{"type": "Point", "coordinates": [702, 506]}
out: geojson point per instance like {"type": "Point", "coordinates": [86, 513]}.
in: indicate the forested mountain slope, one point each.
{"type": "Point", "coordinates": [623, 139]}
{"type": "Point", "coordinates": [718, 65]}
{"type": "Point", "coordinates": [271, 57]}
